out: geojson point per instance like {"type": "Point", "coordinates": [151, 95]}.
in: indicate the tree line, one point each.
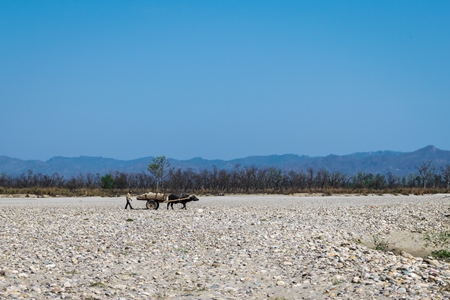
{"type": "Point", "coordinates": [246, 180]}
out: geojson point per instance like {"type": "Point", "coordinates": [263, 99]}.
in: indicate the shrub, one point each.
{"type": "Point", "coordinates": [380, 242]}
{"type": "Point", "coordinates": [440, 239]}
{"type": "Point", "coordinates": [441, 254]}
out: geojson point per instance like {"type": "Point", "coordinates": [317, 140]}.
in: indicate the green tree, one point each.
{"type": "Point", "coordinates": [107, 181]}
{"type": "Point", "coordinates": [158, 168]}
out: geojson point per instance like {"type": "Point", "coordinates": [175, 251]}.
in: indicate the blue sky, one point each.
{"type": "Point", "coordinates": [222, 79]}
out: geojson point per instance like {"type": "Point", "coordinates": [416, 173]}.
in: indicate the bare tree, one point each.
{"type": "Point", "coordinates": [310, 178]}
{"type": "Point", "coordinates": [446, 174]}
{"type": "Point", "coordinates": [58, 180]}
{"type": "Point", "coordinates": [120, 180]}
{"type": "Point", "coordinates": [223, 181]}
{"type": "Point", "coordinates": [89, 180]}
{"type": "Point", "coordinates": [392, 180]}
{"type": "Point", "coordinates": [322, 179]}
{"type": "Point", "coordinates": [426, 172]}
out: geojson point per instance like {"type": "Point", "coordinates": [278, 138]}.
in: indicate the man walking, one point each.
{"type": "Point", "coordinates": [128, 201]}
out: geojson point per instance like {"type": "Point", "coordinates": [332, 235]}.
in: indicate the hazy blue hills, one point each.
{"type": "Point", "coordinates": [382, 162]}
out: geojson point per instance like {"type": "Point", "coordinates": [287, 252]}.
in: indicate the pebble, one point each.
{"type": "Point", "coordinates": [290, 248]}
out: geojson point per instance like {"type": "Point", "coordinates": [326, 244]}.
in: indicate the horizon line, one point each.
{"type": "Point", "coordinates": [199, 157]}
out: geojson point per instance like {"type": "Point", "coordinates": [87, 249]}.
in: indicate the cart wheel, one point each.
{"type": "Point", "coordinates": [157, 205]}
{"type": "Point", "coordinates": [151, 204]}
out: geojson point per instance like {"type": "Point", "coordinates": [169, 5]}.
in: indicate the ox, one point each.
{"type": "Point", "coordinates": [184, 198]}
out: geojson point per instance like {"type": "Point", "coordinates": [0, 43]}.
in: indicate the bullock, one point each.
{"type": "Point", "coordinates": [184, 198]}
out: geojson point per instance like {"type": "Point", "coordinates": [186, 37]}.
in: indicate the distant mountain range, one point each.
{"type": "Point", "coordinates": [380, 162]}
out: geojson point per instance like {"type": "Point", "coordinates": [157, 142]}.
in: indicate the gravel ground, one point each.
{"type": "Point", "coordinates": [232, 247]}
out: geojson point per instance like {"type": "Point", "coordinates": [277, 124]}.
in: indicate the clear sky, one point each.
{"type": "Point", "coordinates": [222, 79]}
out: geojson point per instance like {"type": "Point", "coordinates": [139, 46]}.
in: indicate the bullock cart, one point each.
{"type": "Point", "coordinates": [154, 199]}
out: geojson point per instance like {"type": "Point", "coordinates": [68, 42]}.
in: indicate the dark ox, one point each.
{"type": "Point", "coordinates": [184, 198]}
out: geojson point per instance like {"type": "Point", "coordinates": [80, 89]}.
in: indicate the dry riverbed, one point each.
{"type": "Point", "coordinates": [231, 247]}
